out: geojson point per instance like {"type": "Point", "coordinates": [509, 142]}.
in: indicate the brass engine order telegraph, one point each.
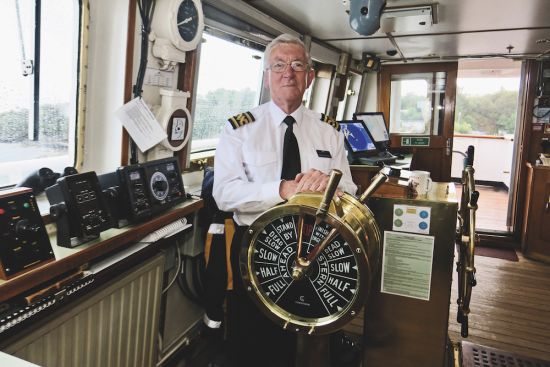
{"type": "Point", "coordinates": [309, 262]}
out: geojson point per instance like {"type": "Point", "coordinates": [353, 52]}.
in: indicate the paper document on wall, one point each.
{"type": "Point", "coordinates": [407, 261]}
{"type": "Point", "coordinates": [141, 124]}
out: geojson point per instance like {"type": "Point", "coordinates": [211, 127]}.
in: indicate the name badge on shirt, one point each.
{"type": "Point", "coordinates": [323, 154]}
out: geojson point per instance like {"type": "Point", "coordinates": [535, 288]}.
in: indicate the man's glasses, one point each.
{"type": "Point", "coordinates": [280, 66]}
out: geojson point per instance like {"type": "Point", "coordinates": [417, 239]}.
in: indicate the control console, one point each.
{"type": "Point", "coordinates": [24, 242]}
{"type": "Point", "coordinates": [164, 183]}
{"type": "Point", "coordinates": [79, 208]}
{"type": "Point", "coordinates": [138, 192]}
{"type": "Point", "coordinates": [135, 194]}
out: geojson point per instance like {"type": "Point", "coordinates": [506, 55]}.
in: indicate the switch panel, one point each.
{"type": "Point", "coordinates": [24, 242]}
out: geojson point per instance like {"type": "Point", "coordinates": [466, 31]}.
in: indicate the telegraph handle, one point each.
{"type": "Point", "coordinates": [375, 184]}
{"type": "Point", "coordinates": [333, 181]}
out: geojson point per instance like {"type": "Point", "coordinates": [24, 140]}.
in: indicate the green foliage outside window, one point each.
{"type": "Point", "coordinates": [489, 114]}
{"type": "Point", "coordinates": [409, 107]}
{"type": "Point", "coordinates": [214, 108]}
{"type": "Point", "coordinates": [54, 122]}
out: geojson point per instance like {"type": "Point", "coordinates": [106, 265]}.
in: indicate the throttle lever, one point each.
{"type": "Point", "coordinates": [473, 198]}
{"type": "Point", "coordinates": [464, 327]}
{"type": "Point", "coordinates": [469, 160]}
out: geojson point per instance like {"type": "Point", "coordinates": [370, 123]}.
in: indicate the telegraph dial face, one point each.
{"type": "Point", "coordinates": [330, 291]}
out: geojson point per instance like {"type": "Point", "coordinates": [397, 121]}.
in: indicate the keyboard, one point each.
{"type": "Point", "coordinates": [376, 160]}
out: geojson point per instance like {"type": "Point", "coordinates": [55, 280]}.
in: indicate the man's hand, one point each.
{"type": "Point", "coordinates": [312, 180]}
{"type": "Point", "coordinates": [287, 188]}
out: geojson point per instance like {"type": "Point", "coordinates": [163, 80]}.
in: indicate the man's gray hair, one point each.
{"type": "Point", "coordinates": [284, 38]}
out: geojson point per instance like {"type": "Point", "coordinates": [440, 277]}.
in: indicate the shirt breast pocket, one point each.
{"type": "Point", "coordinates": [322, 160]}
{"type": "Point", "coordinates": [260, 165]}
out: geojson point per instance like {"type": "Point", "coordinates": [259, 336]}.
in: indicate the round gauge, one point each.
{"type": "Point", "coordinates": [178, 22]}
{"type": "Point", "coordinates": [188, 20]}
{"type": "Point", "coordinates": [159, 186]}
{"type": "Point", "coordinates": [311, 275]}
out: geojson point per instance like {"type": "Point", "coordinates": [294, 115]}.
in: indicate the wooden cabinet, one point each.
{"type": "Point", "coordinates": [362, 176]}
{"type": "Point", "coordinates": [536, 226]}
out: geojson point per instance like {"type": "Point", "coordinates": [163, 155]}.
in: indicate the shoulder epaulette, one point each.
{"type": "Point", "coordinates": [241, 119]}
{"type": "Point", "coordinates": [329, 120]}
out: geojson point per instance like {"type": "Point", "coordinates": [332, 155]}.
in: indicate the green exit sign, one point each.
{"type": "Point", "coordinates": [415, 141]}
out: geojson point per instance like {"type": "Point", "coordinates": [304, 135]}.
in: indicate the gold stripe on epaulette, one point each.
{"type": "Point", "coordinates": [329, 120]}
{"type": "Point", "coordinates": [241, 119]}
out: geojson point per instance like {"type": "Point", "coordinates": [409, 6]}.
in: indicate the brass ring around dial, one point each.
{"type": "Point", "coordinates": [334, 286]}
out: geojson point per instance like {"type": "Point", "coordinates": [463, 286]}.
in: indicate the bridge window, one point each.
{"type": "Point", "coordinates": [417, 102]}
{"type": "Point", "coordinates": [229, 82]}
{"type": "Point", "coordinates": [38, 86]}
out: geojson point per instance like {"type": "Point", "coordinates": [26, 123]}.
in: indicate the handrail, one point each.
{"type": "Point", "coordinates": [495, 137]}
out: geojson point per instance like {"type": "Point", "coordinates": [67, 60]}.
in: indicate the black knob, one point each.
{"type": "Point", "coordinates": [58, 210]}
{"type": "Point", "coordinates": [160, 185]}
{"type": "Point", "coordinates": [111, 192]}
{"type": "Point", "coordinates": [22, 226]}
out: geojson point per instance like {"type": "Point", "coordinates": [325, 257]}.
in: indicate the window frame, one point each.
{"type": "Point", "coordinates": [227, 34]}
{"type": "Point", "coordinates": [75, 128]}
{"type": "Point", "coordinates": [437, 156]}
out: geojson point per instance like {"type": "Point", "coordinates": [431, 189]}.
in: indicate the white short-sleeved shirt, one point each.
{"type": "Point", "coordinates": [248, 161]}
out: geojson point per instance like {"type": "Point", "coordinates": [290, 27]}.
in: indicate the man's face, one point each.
{"type": "Point", "coordinates": [288, 87]}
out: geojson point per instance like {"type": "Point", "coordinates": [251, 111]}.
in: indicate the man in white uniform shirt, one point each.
{"type": "Point", "coordinates": [248, 180]}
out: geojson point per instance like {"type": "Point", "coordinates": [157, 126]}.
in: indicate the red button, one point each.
{"type": "Point", "coordinates": [2, 211]}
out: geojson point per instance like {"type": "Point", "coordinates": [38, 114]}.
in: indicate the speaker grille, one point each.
{"type": "Point", "coordinates": [480, 356]}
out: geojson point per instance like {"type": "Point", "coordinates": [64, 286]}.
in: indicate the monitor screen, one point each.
{"type": "Point", "coordinates": [356, 136]}
{"type": "Point", "coordinates": [374, 121]}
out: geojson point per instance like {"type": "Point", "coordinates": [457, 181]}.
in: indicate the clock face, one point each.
{"type": "Point", "coordinates": [188, 20]}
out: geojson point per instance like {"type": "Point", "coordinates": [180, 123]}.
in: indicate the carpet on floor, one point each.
{"type": "Point", "coordinates": [499, 253]}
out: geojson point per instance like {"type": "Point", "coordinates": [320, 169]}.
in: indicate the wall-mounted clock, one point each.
{"type": "Point", "coordinates": [180, 22]}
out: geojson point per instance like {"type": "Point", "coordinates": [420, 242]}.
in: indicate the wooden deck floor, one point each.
{"type": "Point", "coordinates": [510, 307]}
{"type": "Point", "coordinates": [492, 208]}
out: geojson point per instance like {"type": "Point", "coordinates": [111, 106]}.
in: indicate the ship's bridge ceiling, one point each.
{"type": "Point", "coordinates": [416, 31]}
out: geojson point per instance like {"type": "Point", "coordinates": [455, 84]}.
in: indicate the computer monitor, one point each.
{"type": "Point", "coordinates": [357, 139]}
{"type": "Point", "coordinates": [376, 126]}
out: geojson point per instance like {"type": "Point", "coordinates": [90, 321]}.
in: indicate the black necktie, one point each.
{"type": "Point", "coordinates": [291, 153]}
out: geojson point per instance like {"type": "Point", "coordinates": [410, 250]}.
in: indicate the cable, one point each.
{"type": "Point", "coordinates": [178, 259]}
{"type": "Point", "coordinates": [197, 277]}
{"type": "Point", "coordinates": [146, 11]}
{"type": "Point", "coordinates": [184, 286]}
{"type": "Point", "coordinates": [543, 115]}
